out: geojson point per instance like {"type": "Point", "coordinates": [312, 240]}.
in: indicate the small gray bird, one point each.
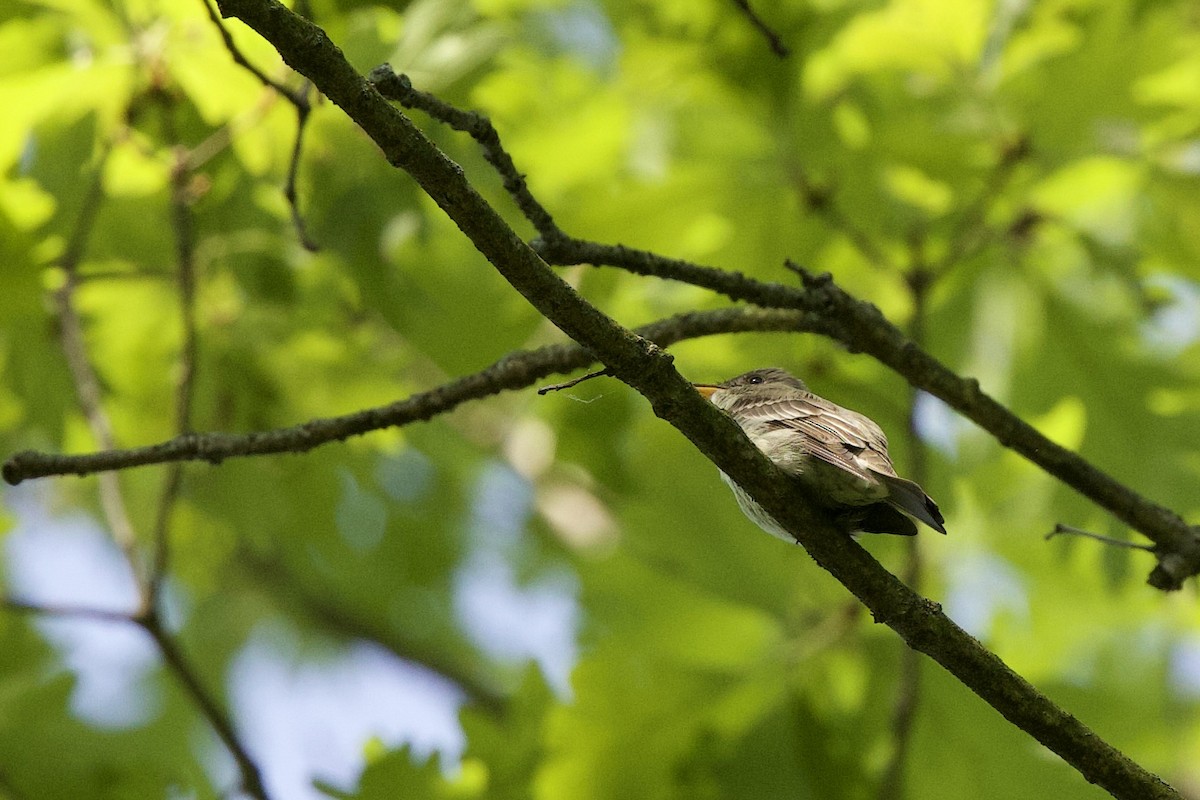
{"type": "Point", "coordinates": [840, 456]}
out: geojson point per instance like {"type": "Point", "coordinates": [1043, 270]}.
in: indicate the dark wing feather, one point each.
{"type": "Point", "coordinates": [879, 517]}
{"type": "Point", "coordinates": [912, 500]}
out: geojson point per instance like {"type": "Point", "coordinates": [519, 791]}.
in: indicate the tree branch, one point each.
{"type": "Point", "coordinates": [80, 612]}
{"type": "Point", "coordinates": [648, 369]}
{"type": "Point", "coordinates": [860, 326]}
{"type": "Point", "coordinates": [478, 127]}
{"type": "Point", "coordinates": [303, 110]}
{"type": "Point", "coordinates": [1070, 530]}
{"type": "Point", "coordinates": [969, 232]}
{"type": "Point", "coordinates": [515, 371]}
{"type": "Point", "coordinates": [558, 387]}
{"type": "Point", "coordinates": [773, 40]}
{"type": "Point", "coordinates": [177, 662]}
{"type": "Point", "coordinates": [856, 324]}
{"type": "Point", "coordinates": [298, 97]}
{"type": "Point", "coordinates": [91, 401]}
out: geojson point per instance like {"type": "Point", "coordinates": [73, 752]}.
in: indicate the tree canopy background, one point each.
{"type": "Point", "coordinates": [1015, 184]}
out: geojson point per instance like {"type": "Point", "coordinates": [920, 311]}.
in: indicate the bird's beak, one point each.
{"type": "Point", "coordinates": [706, 389]}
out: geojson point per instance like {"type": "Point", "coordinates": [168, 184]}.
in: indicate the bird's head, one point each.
{"type": "Point", "coordinates": [768, 378]}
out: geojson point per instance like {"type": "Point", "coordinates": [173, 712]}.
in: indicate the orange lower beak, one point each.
{"type": "Point", "coordinates": [706, 389]}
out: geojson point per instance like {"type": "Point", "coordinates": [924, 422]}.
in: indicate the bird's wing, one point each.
{"type": "Point", "coordinates": [912, 500]}
{"type": "Point", "coordinates": [848, 441]}
{"type": "Point", "coordinates": [836, 435]}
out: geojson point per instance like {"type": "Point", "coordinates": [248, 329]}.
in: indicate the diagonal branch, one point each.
{"type": "Point", "coordinates": [515, 371]}
{"type": "Point", "coordinates": [183, 227]}
{"type": "Point", "coordinates": [177, 663]}
{"type": "Point", "coordinates": [240, 59]}
{"type": "Point", "coordinates": [774, 41]}
{"type": "Point", "coordinates": [79, 612]}
{"type": "Point", "coordinates": [217, 717]}
{"type": "Point", "coordinates": [861, 327]}
{"type": "Point", "coordinates": [649, 370]}
{"type": "Point", "coordinates": [969, 232]}
{"type": "Point", "coordinates": [855, 323]}
{"type": "Point", "coordinates": [478, 127]}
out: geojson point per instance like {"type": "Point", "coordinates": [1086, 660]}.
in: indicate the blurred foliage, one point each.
{"type": "Point", "coordinates": [1041, 160]}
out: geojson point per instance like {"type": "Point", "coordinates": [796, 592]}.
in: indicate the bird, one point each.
{"type": "Point", "coordinates": [839, 456]}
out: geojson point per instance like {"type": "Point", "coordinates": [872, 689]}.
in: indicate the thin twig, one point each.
{"type": "Point", "coordinates": [244, 62]}
{"type": "Point", "coordinates": [169, 496]}
{"type": "Point", "coordinates": [478, 127]}
{"type": "Point", "coordinates": [289, 187]}
{"type": "Point", "coordinates": [517, 370]}
{"type": "Point", "coordinates": [189, 678]}
{"type": "Point", "coordinates": [83, 612]}
{"type": "Point", "coordinates": [93, 198]}
{"type": "Point", "coordinates": [773, 39]}
{"type": "Point", "coordinates": [299, 98]}
{"type": "Point", "coordinates": [1070, 530]}
{"type": "Point", "coordinates": [183, 228]}
{"type": "Point", "coordinates": [558, 387]}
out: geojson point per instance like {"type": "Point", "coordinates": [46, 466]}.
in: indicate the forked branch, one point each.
{"type": "Point", "coordinates": [856, 324]}
{"type": "Point", "coordinates": [649, 370]}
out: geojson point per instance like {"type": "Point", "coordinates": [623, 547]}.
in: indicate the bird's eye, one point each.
{"type": "Point", "coordinates": [754, 379]}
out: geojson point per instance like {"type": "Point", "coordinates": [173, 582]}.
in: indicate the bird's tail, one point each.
{"type": "Point", "coordinates": [911, 499]}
